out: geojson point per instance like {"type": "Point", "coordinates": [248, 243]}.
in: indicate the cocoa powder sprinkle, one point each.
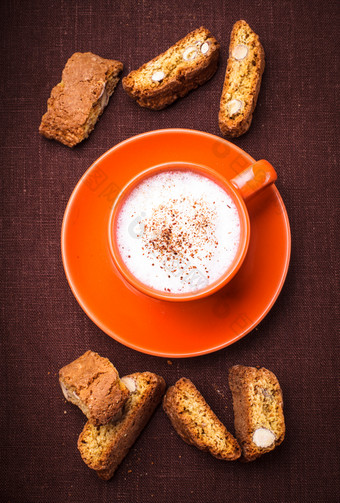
{"type": "Point", "coordinates": [174, 240]}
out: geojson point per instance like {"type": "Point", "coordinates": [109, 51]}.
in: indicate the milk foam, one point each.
{"type": "Point", "coordinates": [178, 231]}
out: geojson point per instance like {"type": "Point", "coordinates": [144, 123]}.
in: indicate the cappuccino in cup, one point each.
{"type": "Point", "coordinates": [178, 231]}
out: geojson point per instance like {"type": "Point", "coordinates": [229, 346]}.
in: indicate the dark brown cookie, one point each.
{"type": "Point", "coordinates": [79, 99]}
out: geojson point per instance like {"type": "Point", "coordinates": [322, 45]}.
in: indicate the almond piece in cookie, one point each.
{"type": "Point", "coordinates": [92, 383]}
{"type": "Point", "coordinates": [79, 99]}
{"type": "Point", "coordinates": [242, 80]}
{"type": "Point", "coordinates": [196, 423]}
{"type": "Point", "coordinates": [258, 409]}
{"type": "Point", "coordinates": [184, 66]}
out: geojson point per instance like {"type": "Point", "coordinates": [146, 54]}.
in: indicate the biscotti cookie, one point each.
{"type": "Point", "coordinates": [103, 448]}
{"type": "Point", "coordinates": [242, 80]}
{"type": "Point", "coordinates": [196, 423]}
{"type": "Point", "coordinates": [92, 383]}
{"type": "Point", "coordinates": [79, 99]}
{"type": "Point", "coordinates": [186, 65]}
{"type": "Point", "coordinates": [258, 410]}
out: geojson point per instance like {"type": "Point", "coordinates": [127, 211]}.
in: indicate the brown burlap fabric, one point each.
{"type": "Point", "coordinates": [43, 327]}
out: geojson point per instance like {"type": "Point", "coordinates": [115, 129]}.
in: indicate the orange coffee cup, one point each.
{"type": "Point", "coordinates": [240, 189]}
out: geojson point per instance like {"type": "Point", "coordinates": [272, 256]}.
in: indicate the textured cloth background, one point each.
{"type": "Point", "coordinates": [295, 127]}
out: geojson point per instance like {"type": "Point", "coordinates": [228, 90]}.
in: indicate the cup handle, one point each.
{"type": "Point", "coordinates": [254, 178]}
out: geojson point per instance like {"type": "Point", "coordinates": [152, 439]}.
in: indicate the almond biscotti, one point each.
{"type": "Point", "coordinates": [92, 383]}
{"type": "Point", "coordinates": [186, 65]}
{"type": "Point", "coordinates": [258, 410]}
{"type": "Point", "coordinates": [196, 423]}
{"type": "Point", "coordinates": [103, 448]}
{"type": "Point", "coordinates": [242, 80]}
{"type": "Point", "coordinates": [79, 99]}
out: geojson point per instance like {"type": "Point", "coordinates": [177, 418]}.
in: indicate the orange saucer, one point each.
{"type": "Point", "coordinates": [159, 327]}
